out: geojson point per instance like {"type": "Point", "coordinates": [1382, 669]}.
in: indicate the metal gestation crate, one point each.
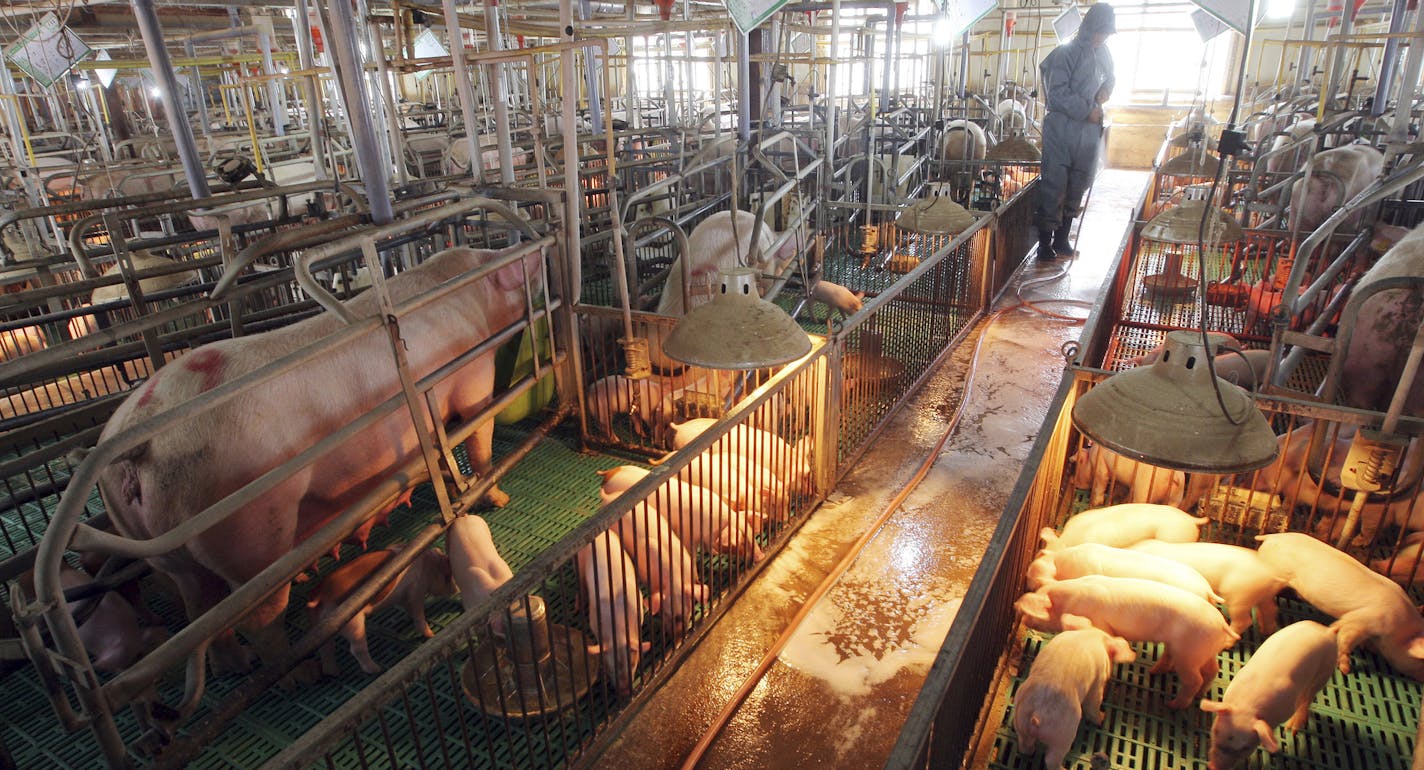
{"type": "Point", "coordinates": [205, 713]}
{"type": "Point", "coordinates": [1365, 719]}
{"type": "Point", "coordinates": [982, 185]}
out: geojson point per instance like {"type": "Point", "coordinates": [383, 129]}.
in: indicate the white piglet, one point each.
{"type": "Point", "coordinates": [1067, 682]}
{"type": "Point", "coordinates": [617, 394]}
{"type": "Point", "coordinates": [1191, 631]}
{"type": "Point", "coordinates": [1237, 574]}
{"type": "Point", "coordinates": [475, 563]}
{"type": "Point", "coordinates": [838, 297]}
{"type": "Point", "coordinates": [1279, 682]}
{"type": "Point", "coordinates": [615, 608]}
{"type": "Point", "coordinates": [665, 564]}
{"type": "Point", "coordinates": [1095, 468]}
{"type": "Point", "coordinates": [790, 462]}
{"type": "Point", "coordinates": [1095, 559]}
{"type": "Point", "coordinates": [1367, 606]}
{"type": "Point", "coordinates": [701, 517]}
{"type": "Point", "coordinates": [1122, 525]}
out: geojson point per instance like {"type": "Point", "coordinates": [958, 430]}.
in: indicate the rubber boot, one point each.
{"type": "Point", "coordinates": [1061, 246]}
{"type": "Point", "coordinates": [1045, 246]}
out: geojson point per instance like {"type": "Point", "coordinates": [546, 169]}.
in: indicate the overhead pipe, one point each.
{"type": "Point", "coordinates": [276, 100]}
{"type": "Point", "coordinates": [154, 44]}
{"type": "Point", "coordinates": [503, 139]}
{"type": "Point", "coordinates": [463, 88]}
{"type": "Point", "coordinates": [353, 89]}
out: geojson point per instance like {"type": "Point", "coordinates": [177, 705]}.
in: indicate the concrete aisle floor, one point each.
{"type": "Point", "coordinates": [838, 694]}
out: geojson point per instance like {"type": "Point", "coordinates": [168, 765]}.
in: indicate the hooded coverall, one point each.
{"type": "Point", "coordinates": [1072, 76]}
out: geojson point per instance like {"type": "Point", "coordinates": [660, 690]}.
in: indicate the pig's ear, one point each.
{"type": "Point", "coordinates": [1214, 707]}
{"type": "Point", "coordinates": [1049, 537]}
{"type": "Point", "coordinates": [1416, 647]}
{"type": "Point", "coordinates": [1268, 736]}
{"type": "Point", "coordinates": [1119, 651]}
{"type": "Point", "coordinates": [1073, 622]}
{"type": "Point", "coordinates": [1385, 236]}
{"type": "Point", "coordinates": [645, 646]}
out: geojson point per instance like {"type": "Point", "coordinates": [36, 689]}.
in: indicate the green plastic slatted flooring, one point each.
{"type": "Point", "coordinates": [1366, 719]}
{"type": "Point", "coordinates": [551, 492]}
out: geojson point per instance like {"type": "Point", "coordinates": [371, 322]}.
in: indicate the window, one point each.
{"type": "Point", "coordinates": [1159, 58]}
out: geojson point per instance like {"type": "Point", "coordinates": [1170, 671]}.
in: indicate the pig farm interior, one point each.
{"type": "Point", "coordinates": [357, 409]}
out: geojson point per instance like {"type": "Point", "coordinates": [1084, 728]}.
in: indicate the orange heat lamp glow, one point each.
{"type": "Point", "coordinates": [664, 9]}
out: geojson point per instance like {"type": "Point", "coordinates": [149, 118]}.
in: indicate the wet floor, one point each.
{"type": "Point", "coordinates": [839, 691]}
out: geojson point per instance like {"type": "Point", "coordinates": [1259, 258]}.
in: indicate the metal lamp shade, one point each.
{"type": "Point", "coordinates": [1190, 164]}
{"type": "Point", "coordinates": [737, 329]}
{"type": "Point", "coordinates": [1166, 414]}
{"type": "Point", "coordinates": [1179, 224]}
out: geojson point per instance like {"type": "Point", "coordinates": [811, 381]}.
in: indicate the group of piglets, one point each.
{"type": "Point", "coordinates": [719, 502]}
{"type": "Point", "coordinates": [1137, 573]}
{"type": "Point", "coordinates": [473, 568]}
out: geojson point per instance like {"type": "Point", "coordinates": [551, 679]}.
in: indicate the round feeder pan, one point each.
{"type": "Point", "coordinates": [872, 371]}
{"type": "Point", "coordinates": [501, 687]}
{"type": "Point", "coordinates": [1170, 285]}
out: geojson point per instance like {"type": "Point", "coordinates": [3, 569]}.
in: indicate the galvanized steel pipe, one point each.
{"type": "Point", "coordinates": [363, 134]}
{"type": "Point", "coordinates": [153, 42]}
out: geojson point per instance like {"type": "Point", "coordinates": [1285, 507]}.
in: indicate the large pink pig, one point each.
{"type": "Point", "coordinates": [1095, 467]}
{"type": "Point", "coordinates": [1069, 677]}
{"type": "Point", "coordinates": [1095, 559]}
{"type": "Point", "coordinates": [1328, 501]}
{"type": "Point", "coordinates": [1279, 682]}
{"type": "Point", "coordinates": [427, 575]}
{"type": "Point", "coordinates": [1122, 525]}
{"type": "Point", "coordinates": [1191, 631]}
{"type": "Point", "coordinates": [1375, 355]}
{"type": "Point", "coordinates": [477, 567]}
{"type": "Point", "coordinates": [1367, 606]}
{"type": "Point", "coordinates": [665, 564]}
{"type": "Point", "coordinates": [615, 608]}
{"type": "Point", "coordinates": [1337, 176]}
{"type": "Point", "coordinates": [1236, 573]}
{"type": "Point", "coordinates": [160, 483]}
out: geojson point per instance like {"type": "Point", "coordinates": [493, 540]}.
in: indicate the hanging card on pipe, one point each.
{"type": "Point", "coordinates": [106, 76]}
{"type": "Point", "coordinates": [963, 14]}
{"type": "Point", "coordinates": [47, 50]}
{"type": "Point", "coordinates": [1235, 13]}
{"type": "Point", "coordinates": [749, 14]}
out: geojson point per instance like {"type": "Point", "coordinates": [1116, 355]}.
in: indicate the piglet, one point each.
{"type": "Point", "coordinates": [616, 480]}
{"type": "Point", "coordinates": [1236, 573]}
{"type": "Point", "coordinates": [1192, 632]}
{"type": "Point", "coordinates": [665, 564]}
{"type": "Point", "coordinates": [1279, 681]}
{"type": "Point", "coordinates": [615, 395]}
{"type": "Point", "coordinates": [1068, 680]}
{"type": "Point", "coordinates": [1122, 525]}
{"type": "Point", "coordinates": [1403, 567]}
{"type": "Point", "coordinates": [740, 480]}
{"type": "Point", "coordinates": [1367, 606]}
{"type": "Point", "coordinates": [701, 517]}
{"type": "Point", "coordinates": [615, 608]}
{"type": "Point", "coordinates": [1094, 559]}
{"type": "Point", "coordinates": [112, 634]}
{"type": "Point", "coordinates": [475, 563]}
{"type": "Point", "coordinates": [790, 462]}
{"type": "Point", "coordinates": [838, 297]}
{"type": "Point", "coordinates": [429, 575]}
{"type": "Point", "coordinates": [1095, 467]}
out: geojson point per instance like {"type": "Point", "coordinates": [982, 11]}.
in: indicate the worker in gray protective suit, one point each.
{"type": "Point", "coordinates": [1077, 78]}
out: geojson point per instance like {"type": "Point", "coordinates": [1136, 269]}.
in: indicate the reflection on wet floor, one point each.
{"type": "Point", "coordinates": [840, 690]}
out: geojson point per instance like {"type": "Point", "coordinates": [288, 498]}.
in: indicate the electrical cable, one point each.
{"type": "Point", "coordinates": [1206, 215]}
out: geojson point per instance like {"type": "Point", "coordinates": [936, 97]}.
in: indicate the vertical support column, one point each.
{"type": "Point", "coordinates": [393, 125]}
{"type": "Point", "coordinates": [202, 98]}
{"type": "Point", "coordinates": [573, 189]}
{"type": "Point", "coordinates": [276, 98]}
{"type": "Point", "coordinates": [744, 89]}
{"type": "Point", "coordinates": [1399, 132]}
{"type": "Point", "coordinates": [1397, 16]}
{"type": "Point", "coordinates": [590, 76]}
{"type": "Point", "coordinates": [1337, 65]}
{"type": "Point", "coordinates": [316, 113]}
{"type": "Point", "coordinates": [463, 88]}
{"type": "Point", "coordinates": [353, 90]}
{"type": "Point", "coordinates": [1307, 53]}
{"type": "Point", "coordinates": [501, 89]}
{"type": "Point", "coordinates": [153, 43]}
